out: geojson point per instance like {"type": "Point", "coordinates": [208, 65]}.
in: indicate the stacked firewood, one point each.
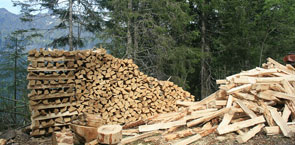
{"type": "Point", "coordinates": [52, 97]}
{"type": "Point", "coordinates": [246, 103]}
{"type": "Point", "coordinates": [64, 84]}
{"type": "Point", "coordinates": [118, 91]}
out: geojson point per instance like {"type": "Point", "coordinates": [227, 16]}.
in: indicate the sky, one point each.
{"type": "Point", "coordinates": [7, 4]}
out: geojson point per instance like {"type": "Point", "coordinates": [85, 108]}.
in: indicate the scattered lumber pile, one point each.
{"type": "Point", "coordinates": [52, 98]}
{"type": "Point", "coordinates": [119, 92]}
{"type": "Point", "coordinates": [246, 103]}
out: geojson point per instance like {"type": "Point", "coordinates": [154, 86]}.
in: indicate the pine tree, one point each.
{"type": "Point", "coordinates": [13, 86]}
{"type": "Point", "coordinates": [74, 16]}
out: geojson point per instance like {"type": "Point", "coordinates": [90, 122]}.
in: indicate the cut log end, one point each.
{"type": "Point", "coordinates": [109, 134]}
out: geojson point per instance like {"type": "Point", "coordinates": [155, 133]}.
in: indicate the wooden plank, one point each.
{"type": "Point", "coordinates": [239, 88]}
{"type": "Point", "coordinates": [261, 72]}
{"type": "Point", "coordinates": [245, 137]}
{"type": "Point", "coordinates": [240, 125]}
{"type": "Point", "coordinates": [194, 138]}
{"type": "Point", "coordinates": [57, 95]}
{"type": "Point", "coordinates": [227, 116]}
{"type": "Point", "coordinates": [286, 113]}
{"type": "Point", "coordinates": [274, 130]}
{"type": "Point", "coordinates": [185, 103]}
{"type": "Point", "coordinates": [52, 59]}
{"type": "Point", "coordinates": [49, 69]}
{"type": "Point", "coordinates": [245, 96]}
{"type": "Point", "coordinates": [137, 137]}
{"type": "Point", "coordinates": [203, 102]}
{"type": "Point", "coordinates": [49, 77]}
{"type": "Point", "coordinates": [218, 82]}
{"type": "Point", "coordinates": [207, 118]}
{"type": "Point", "coordinates": [266, 113]}
{"type": "Point", "coordinates": [246, 109]}
{"type": "Point", "coordinates": [51, 86]}
{"type": "Point", "coordinates": [133, 124]}
{"type": "Point", "coordinates": [41, 106]}
{"type": "Point", "coordinates": [288, 88]}
{"type": "Point", "coordinates": [280, 66]}
{"type": "Point", "coordinates": [280, 95]}
{"type": "Point", "coordinates": [179, 134]}
{"type": "Point", "coordinates": [280, 122]}
{"type": "Point", "coordinates": [157, 126]}
{"type": "Point", "coordinates": [195, 115]}
{"type": "Point", "coordinates": [53, 115]}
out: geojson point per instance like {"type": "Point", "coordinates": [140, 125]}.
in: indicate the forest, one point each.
{"type": "Point", "coordinates": [189, 42]}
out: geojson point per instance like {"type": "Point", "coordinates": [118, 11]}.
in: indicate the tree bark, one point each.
{"type": "Point", "coordinates": [205, 68]}
{"type": "Point", "coordinates": [71, 25]}
{"type": "Point", "coordinates": [15, 79]}
{"type": "Point", "coordinates": [129, 37]}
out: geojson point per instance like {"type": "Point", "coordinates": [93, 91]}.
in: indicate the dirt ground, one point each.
{"type": "Point", "coordinates": [21, 138]}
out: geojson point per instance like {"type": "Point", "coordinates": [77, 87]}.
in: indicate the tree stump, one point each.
{"type": "Point", "coordinates": [109, 134]}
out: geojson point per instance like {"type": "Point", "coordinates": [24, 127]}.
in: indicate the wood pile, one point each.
{"type": "Point", "coordinates": [119, 92]}
{"type": "Point", "coordinates": [64, 84]}
{"type": "Point", "coordinates": [246, 103]}
{"type": "Point", "coordinates": [52, 97]}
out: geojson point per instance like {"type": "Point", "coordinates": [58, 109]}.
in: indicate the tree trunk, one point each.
{"type": "Point", "coordinates": [129, 38]}
{"type": "Point", "coordinates": [71, 25]}
{"type": "Point", "coordinates": [15, 81]}
{"type": "Point", "coordinates": [205, 68]}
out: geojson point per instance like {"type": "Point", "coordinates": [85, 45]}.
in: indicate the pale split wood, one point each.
{"type": "Point", "coordinates": [274, 130]}
{"type": "Point", "coordinates": [239, 88]}
{"type": "Point", "coordinates": [227, 116]}
{"type": "Point", "coordinates": [288, 87]}
{"type": "Point", "coordinates": [207, 118]}
{"type": "Point", "coordinates": [203, 102]}
{"type": "Point", "coordinates": [240, 125]}
{"type": "Point", "coordinates": [196, 137]}
{"type": "Point", "coordinates": [137, 137]}
{"type": "Point", "coordinates": [133, 124]}
{"type": "Point", "coordinates": [246, 109]}
{"type": "Point", "coordinates": [179, 134]}
{"type": "Point", "coordinates": [286, 113]}
{"type": "Point", "coordinates": [280, 66]}
{"type": "Point", "coordinates": [266, 113]}
{"type": "Point", "coordinates": [248, 135]}
{"type": "Point", "coordinates": [144, 128]}
{"type": "Point", "coordinates": [281, 123]}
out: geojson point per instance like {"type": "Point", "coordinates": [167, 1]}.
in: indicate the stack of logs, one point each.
{"type": "Point", "coordinates": [246, 103]}
{"type": "Point", "coordinates": [52, 98]}
{"type": "Point", "coordinates": [64, 84]}
{"type": "Point", "coordinates": [119, 92]}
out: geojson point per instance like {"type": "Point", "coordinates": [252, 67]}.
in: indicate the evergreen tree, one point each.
{"type": "Point", "coordinates": [13, 85]}
{"type": "Point", "coordinates": [74, 16]}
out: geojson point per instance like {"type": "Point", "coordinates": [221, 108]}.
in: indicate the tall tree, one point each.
{"type": "Point", "coordinates": [84, 14]}
{"type": "Point", "coordinates": [153, 33]}
{"type": "Point", "coordinates": [13, 71]}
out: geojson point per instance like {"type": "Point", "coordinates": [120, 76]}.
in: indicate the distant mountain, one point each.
{"type": "Point", "coordinates": [10, 22]}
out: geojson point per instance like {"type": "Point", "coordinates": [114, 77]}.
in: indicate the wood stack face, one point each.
{"type": "Point", "coordinates": [67, 83]}
{"type": "Point", "coordinates": [52, 98]}
{"type": "Point", "coordinates": [119, 92]}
